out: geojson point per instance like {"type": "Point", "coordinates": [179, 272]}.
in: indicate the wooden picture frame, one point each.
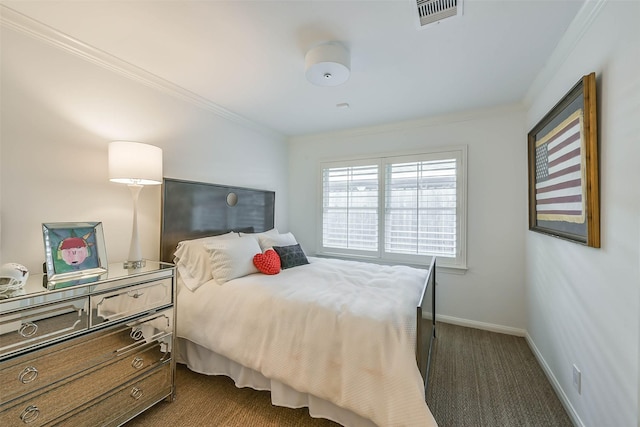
{"type": "Point", "coordinates": [73, 250]}
{"type": "Point", "coordinates": [564, 197]}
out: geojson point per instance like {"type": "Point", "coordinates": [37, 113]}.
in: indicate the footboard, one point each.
{"type": "Point", "coordinates": [426, 328]}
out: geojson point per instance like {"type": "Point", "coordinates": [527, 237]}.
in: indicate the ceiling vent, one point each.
{"type": "Point", "coordinates": [433, 11]}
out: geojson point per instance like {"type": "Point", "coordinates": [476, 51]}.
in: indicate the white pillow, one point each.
{"type": "Point", "coordinates": [192, 259]}
{"type": "Point", "coordinates": [233, 258]}
{"type": "Point", "coordinates": [269, 241]}
{"type": "Point", "coordinates": [188, 281]}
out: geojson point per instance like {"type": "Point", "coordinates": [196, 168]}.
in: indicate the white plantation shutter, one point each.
{"type": "Point", "coordinates": [400, 208]}
{"type": "Point", "coordinates": [350, 207]}
{"type": "Point", "coordinates": [420, 208]}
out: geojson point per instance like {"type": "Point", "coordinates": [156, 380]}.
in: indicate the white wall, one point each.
{"type": "Point", "coordinates": [583, 303]}
{"type": "Point", "coordinates": [491, 292]}
{"type": "Point", "coordinates": [58, 114]}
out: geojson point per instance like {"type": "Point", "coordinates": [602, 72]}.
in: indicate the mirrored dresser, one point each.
{"type": "Point", "coordinates": [95, 351]}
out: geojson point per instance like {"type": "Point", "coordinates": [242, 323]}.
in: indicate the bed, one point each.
{"type": "Point", "coordinates": [345, 339]}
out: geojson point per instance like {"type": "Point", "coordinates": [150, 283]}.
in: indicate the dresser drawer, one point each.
{"type": "Point", "coordinates": [127, 401]}
{"type": "Point", "coordinates": [123, 303]}
{"type": "Point", "coordinates": [40, 409]}
{"type": "Point", "coordinates": [28, 328]}
{"type": "Point", "coordinates": [24, 374]}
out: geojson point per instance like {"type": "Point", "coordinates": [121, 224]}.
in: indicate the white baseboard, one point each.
{"type": "Point", "coordinates": [555, 384]}
{"type": "Point", "coordinates": [481, 325]}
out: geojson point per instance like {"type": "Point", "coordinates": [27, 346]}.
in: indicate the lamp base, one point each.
{"type": "Point", "coordinates": [134, 264]}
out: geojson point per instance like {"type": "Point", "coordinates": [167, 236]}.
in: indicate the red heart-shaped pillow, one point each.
{"type": "Point", "coordinates": [267, 262]}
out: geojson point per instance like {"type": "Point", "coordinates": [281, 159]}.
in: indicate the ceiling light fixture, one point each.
{"type": "Point", "coordinates": [328, 64]}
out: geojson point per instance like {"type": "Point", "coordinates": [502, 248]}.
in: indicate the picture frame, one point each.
{"type": "Point", "coordinates": [74, 250]}
{"type": "Point", "coordinates": [564, 195]}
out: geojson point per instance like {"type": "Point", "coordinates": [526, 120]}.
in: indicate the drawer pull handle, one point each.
{"type": "Point", "coordinates": [136, 393]}
{"type": "Point", "coordinates": [28, 374]}
{"type": "Point", "coordinates": [28, 329]}
{"type": "Point", "coordinates": [136, 334]}
{"type": "Point", "coordinates": [30, 414]}
{"type": "Point", "coordinates": [137, 363]}
{"type": "Point", "coordinates": [137, 295]}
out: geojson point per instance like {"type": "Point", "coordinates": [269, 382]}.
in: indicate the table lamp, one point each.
{"type": "Point", "coordinates": [136, 165]}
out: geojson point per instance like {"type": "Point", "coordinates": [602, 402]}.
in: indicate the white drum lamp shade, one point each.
{"type": "Point", "coordinates": [328, 64]}
{"type": "Point", "coordinates": [136, 165]}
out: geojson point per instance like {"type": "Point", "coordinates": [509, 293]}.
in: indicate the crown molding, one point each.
{"type": "Point", "coordinates": [21, 23]}
{"type": "Point", "coordinates": [576, 30]}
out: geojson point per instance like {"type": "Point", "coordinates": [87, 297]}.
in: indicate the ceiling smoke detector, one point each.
{"type": "Point", "coordinates": [434, 11]}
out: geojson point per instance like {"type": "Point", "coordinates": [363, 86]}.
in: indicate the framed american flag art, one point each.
{"type": "Point", "coordinates": [564, 199]}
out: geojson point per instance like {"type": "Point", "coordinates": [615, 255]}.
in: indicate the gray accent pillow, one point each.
{"type": "Point", "coordinates": [291, 256]}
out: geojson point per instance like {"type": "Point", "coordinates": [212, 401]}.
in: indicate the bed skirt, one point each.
{"type": "Point", "coordinates": [202, 360]}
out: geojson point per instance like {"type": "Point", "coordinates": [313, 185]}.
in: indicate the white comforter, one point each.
{"type": "Point", "coordinates": [342, 331]}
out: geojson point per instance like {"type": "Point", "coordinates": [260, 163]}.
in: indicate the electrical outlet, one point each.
{"type": "Point", "coordinates": [577, 379]}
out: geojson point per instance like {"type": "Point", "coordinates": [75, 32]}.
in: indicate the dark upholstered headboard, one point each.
{"type": "Point", "coordinates": [196, 209]}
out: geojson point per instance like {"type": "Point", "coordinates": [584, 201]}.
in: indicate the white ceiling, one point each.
{"type": "Point", "coordinates": [248, 56]}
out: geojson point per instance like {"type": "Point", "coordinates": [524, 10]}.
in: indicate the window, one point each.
{"type": "Point", "coordinates": [402, 208]}
{"type": "Point", "coordinates": [350, 208]}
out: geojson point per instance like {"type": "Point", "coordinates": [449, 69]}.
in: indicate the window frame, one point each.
{"type": "Point", "coordinates": [458, 152]}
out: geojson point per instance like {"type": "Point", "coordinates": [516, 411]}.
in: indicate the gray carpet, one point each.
{"type": "Point", "coordinates": [482, 378]}
{"type": "Point", "coordinates": [478, 378]}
